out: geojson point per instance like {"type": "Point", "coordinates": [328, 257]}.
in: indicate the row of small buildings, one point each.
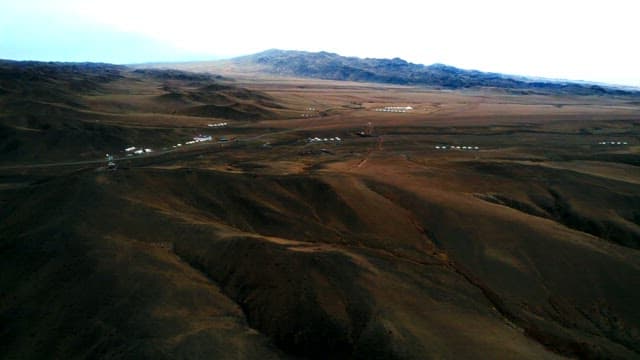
{"type": "Point", "coordinates": [612, 143]}
{"type": "Point", "coordinates": [317, 139]}
{"type": "Point", "coordinates": [451, 147]}
{"type": "Point", "coordinates": [218, 124]}
{"type": "Point", "coordinates": [395, 109]}
{"type": "Point", "coordinates": [137, 151]}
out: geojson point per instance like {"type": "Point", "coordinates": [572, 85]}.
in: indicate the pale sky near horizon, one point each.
{"type": "Point", "coordinates": [578, 40]}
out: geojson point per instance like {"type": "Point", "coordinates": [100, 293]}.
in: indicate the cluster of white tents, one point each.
{"type": "Point", "coordinates": [317, 139]}
{"type": "Point", "coordinates": [131, 150]}
{"type": "Point", "coordinates": [395, 109]}
{"type": "Point", "coordinates": [452, 147]}
{"type": "Point", "coordinates": [612, 143]}
{"type": "Point", "coordinates": [307, 115]}
{"type": "Point", "coordinates": [134, 150]}
{"type": "Point", "coordinates": [218, 124]}
{"type": "Point", "coordinates": [197, 139]}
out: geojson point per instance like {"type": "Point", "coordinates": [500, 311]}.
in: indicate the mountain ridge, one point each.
{"type": "Point", "coordinates": [331, 66]}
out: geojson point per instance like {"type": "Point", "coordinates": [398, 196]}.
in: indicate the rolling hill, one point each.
{"type": "Point", "coordinates": [478, 224]}
{"type": "Point", "coordinates": [79, 111]}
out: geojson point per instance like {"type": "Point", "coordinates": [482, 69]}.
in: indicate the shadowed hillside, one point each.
{"type": "Point", "coordinates": [61, 111]}
{"type": "Point", "coordinates": [335, 267]}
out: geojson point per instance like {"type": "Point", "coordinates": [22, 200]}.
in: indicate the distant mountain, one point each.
{"type": "Point", "coordinates": [325, 65]}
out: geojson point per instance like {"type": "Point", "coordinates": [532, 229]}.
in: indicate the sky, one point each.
{"type": "Point", "coordinates": [564, 39]}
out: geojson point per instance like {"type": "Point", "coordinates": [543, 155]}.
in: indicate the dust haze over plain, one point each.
{"type": "Point", "coordinates": [590, 40]}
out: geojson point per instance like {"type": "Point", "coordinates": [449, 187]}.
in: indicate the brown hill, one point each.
{"type": "Point", "coordinates": [323, 267]}
{"type": "Point", "coordinates": [297, 238]}
{"type": "Point", "coordinates": [57, 111]}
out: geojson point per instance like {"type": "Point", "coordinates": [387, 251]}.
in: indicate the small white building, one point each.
{"type": "Point", "coordinates": [201, 138]}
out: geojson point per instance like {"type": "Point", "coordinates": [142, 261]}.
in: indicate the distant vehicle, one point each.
{"type": "Point", "coordinates": [111, 165]}
{"type": "Point", "coordinates": [224, 139]}
{"type": "Point", "coordinates": [367, 131]}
